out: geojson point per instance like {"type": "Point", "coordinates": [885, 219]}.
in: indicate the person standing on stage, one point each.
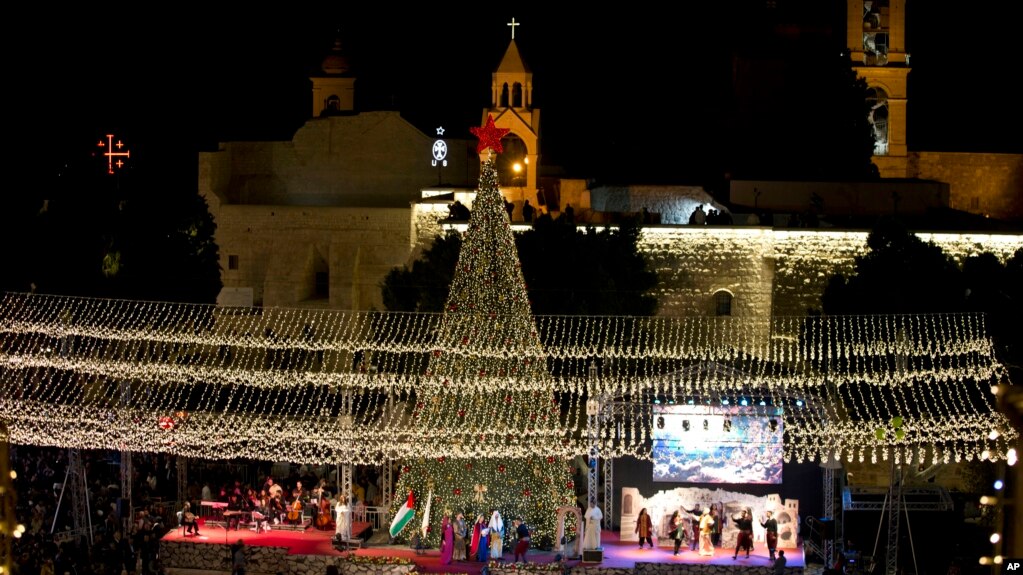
{"type": "Point", "coordinates": [496, 526]}
{"type": "Point", "coordinates": [522, 546]}
{"type": "Point", "coordinates": [744, 522]}
{"type": "Point", "coordinates": [677, 529]}
{"type": "Point", "coordinates": [447, 539]}
{"type": "Point", "coordinates": [770, 525]}
{"type": "Point", "coordinates": [591, 536]}
{"type": "Point", "coordinates": [483, 553]}
{"type": "Point", "coordinates": [477, 527]}
{"type": "Point", "coordinates": [645, 528]}
{"type": "Point", "coordinates": [343, 521]}
{"type": "Point", "coordinates": [459, 529]}
{"type": "Point", "coordinates": [706, 527]}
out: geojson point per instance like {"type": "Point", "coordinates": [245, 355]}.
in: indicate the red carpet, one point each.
{"type": "Point", "coordinates": [617, 554]}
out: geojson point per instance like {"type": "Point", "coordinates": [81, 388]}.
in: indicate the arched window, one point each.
{"type": "Point", "coordinates": [504, 96]}
{"type": "Point", "coordinates": [517, 95]}
{"type": "Point", "coordinates": [627, 505]}
{"type": "Point", "coordinates": [333, 103]}
{"type": "Point", "coordinates": [722, 303]}
{"type": "Point", "coordinates": [877, 98]}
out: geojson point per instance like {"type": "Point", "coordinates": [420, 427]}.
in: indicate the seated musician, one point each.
{"type": "Point", "coordinates": [277, 508]}
{"type": "Point", "coordinates": [235, 507]}
{"type": "Point", "coordinates": [295, 507]}
{"type": "Point", "coordinates": [189, 520]}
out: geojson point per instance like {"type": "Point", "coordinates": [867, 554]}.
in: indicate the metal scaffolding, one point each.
{"type": "Point", "coordinates": [8, 521]}
{"type": "Point", "coordinates": [75, 486]}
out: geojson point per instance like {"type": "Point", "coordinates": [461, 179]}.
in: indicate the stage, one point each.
{"type": "Point", "coordinates": [300, 552]}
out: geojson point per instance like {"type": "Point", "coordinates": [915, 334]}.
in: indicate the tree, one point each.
{"type": "Point", "coordinates": [814, 125]}
{"type": "Point", "coordinates": [899, 274]}
{"type": "Point", "coordinates": [567, 270]}
{"type": "Point", "coordinates": [902, 274]}
{"type": "Point", "coordinates": [85, 232]}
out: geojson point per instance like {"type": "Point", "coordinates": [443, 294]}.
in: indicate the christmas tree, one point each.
{"type": "Point", "coordinates": [492, 395]}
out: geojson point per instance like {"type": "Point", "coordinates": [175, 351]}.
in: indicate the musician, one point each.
{"type": "Point", "coordinates": [273, 488]}
{"type": "Point", "coordinates": [294, 512]}
{"type": "Point", "coordinates": [234, 509]}
{"type": "Point", "coordinates": [277, 508]}
{"type": "Point", "coordinates": [189, 520]}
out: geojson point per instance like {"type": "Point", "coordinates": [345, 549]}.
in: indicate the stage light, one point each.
{"type": "Point", "coordinates": [685, 424]}
{"type": "Point", "coordinates": [690, 402]}
{"type": "Point", "coordinates": [660, 422]}
{"type": "Point", "coordinates": [773, 425]}
{"type": "Point", "coordinates": [728, 425]}
{"type": "Point", "coordinates": [762, 402]}
{"type": "Point", "coordinates": [706, 425]}
{"type": "Point", "coordinates": [999, 485]}
{"type": "Point", "coordinates": [799, 403]}
{"type": "Point", "coordinates": [657, 402]}
{"type": "Point", "coordinates": [724, 402]}
{"type": "Point", "coordinates": [743, 402]}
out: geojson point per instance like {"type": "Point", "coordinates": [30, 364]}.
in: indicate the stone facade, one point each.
{"type": "Point", "coordinates": [983, 184]}
{"type": "Point", "coordinates": [279, 252]}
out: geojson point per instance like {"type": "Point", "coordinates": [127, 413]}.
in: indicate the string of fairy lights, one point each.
{"type": "Point", "coordinates": [484, 379]}
{"type": "Point", "coordinates": [83, 372]}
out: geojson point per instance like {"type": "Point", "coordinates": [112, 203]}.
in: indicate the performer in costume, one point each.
{"type": "Point", "coordinates": [343, 522]}
{"type": "Point", "coordinates": [447, 540]}
{"type": "Point", "coordinates": [770, 525]}
{"type": "Point", "coordinates": [591, 536]}
{"type": "Point", "coordinates": [645, 528]}
{"type": "Point", "coordinates": [483, 553]}
{"type": "Point", "coordinates": [459, 528]}
{"type": "Point", "coordinates": [706, 527]}
{"type": "Point", "coordinates": [522, 546]}
{"type": "Point", "coordinates": [476, 527]}
{"type": "Point", "coordinates": [677, 530]}
{"type": "Point", "coordinates": [744, 522]}
{"type": "Point", "coordinates": [496, 526]}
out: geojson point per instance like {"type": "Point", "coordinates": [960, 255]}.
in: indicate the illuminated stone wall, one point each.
{"type": "Point", "coordinates": [983, 184]}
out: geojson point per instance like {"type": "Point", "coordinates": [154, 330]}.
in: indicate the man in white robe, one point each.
{"type": "Point", "coordinates": [591, 534]}
{"type": "Point", "coordinates": [496, 526]}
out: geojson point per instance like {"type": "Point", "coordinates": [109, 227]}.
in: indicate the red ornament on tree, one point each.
{"type": "Point", "coordinates": [526, 493]}
{"type": "Point", "coordinates": [550, 459]}
{"type": "Point", "coordinates": [500, 469]}
{"type": "Point", "coordinates": [458, 491]}
{"type": "Point", "coordinates": [490, 136]}
{"type": "Point", "coordinates": [570, 484]}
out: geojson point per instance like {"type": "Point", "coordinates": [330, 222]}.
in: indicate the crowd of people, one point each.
{"type": "Point", "coordinates": [113, 545]}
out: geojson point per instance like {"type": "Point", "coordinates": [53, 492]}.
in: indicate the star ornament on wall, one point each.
{"type": "Point", "coordinates": [490, 136]}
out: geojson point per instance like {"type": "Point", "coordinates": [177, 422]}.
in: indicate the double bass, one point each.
{"type": "Point", "coordinates": [323, 518]}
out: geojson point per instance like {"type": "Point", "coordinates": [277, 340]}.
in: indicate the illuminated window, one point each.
{"type": "Point", "coordinates": [722, 303]}
{"type": "Point", "coordinates": [232, 262]}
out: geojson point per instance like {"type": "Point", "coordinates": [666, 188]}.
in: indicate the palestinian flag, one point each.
{"type": "Point", "coordinates": [405, 514]}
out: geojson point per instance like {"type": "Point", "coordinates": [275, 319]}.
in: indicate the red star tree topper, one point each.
{"type": "Point", "coordinates": [490, 136]}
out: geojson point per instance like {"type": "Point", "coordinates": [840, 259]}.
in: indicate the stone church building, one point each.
{"type": "Point", "coordinates": [319, 220]}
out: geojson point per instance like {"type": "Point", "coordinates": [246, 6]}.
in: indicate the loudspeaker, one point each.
{"type": "Point", "coordinates": [123, 508]}
{"type": "Point", "coordinates": [593, 555]}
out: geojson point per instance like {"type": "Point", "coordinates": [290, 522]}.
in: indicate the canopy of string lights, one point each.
{"type": "Point", "coordinates": [333, 386]}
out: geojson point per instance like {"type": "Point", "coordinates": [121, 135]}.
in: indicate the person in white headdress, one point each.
{"type": "Point", "coordinates": [343, 522]}
{"type": "Point", "coordinates": [496, 526]}
{"type": "Point", "coordinates": [706, 527]}
{"type": "Point", "coordinates": [591, 535]}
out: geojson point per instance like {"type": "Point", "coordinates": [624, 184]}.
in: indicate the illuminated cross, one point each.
{"type": "Point", "coordinates": [513, 24]}
{"type": "Point", "coordinates": [111, 154]}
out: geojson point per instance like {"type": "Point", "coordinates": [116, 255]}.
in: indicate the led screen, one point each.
{"type": "Point", "coordinates": [702, 444]}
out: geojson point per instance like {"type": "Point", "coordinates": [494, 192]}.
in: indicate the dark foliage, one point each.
{"type": "Point", "coordinates": [567, 271]}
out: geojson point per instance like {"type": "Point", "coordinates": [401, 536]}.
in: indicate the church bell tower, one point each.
{"type": "Point", "coordinates": [511, 105]}
{"type": "Point", "coordinates": [876, 39]}
{"type": "Point", "coordinates": [333, 84]}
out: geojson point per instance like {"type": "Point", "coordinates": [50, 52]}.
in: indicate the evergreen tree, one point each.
{"type": "Point", "coordinates": [487, 335]}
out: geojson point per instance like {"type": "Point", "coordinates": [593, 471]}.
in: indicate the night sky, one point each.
{"type": "Point", "coordinates": [174, 82]}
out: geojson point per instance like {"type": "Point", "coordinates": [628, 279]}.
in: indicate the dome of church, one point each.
{"type": "Point", "coordinates": [336, 62]}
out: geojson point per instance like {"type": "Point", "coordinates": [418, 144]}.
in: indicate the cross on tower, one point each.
{"type": "Point", "coordinates": [513, 24]}
{"type": "Point", "coordinates": [110, 153]}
